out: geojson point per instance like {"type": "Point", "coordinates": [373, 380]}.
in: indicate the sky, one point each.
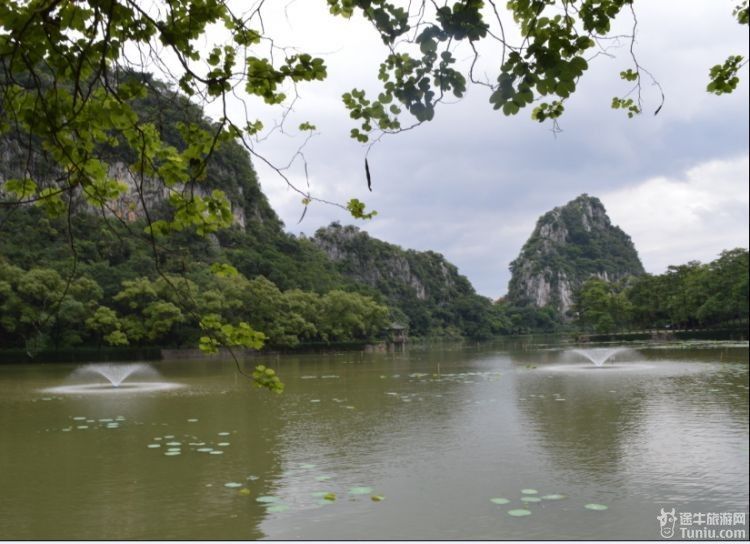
{"type": "Point", "coordinates": [472, 183]}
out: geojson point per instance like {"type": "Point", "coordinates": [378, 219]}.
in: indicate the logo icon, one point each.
{"type": "Point", "coordinates": [667, 521]}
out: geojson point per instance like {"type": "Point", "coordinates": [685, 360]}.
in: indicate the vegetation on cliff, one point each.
{"type": "Point", "coordinates": [569, 245]}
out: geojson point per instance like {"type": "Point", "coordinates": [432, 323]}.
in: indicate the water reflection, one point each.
{"type": "Point", "coordinates": [659, 430]}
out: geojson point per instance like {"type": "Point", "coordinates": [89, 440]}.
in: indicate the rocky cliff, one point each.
{"type": "Point", "coordinates": [570, 244]}
{"type": "Point", "coordinates": [229, 169]}
{"type": "Point", "coordinates": [423, 285]}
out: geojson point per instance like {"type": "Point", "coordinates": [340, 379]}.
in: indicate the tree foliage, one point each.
{"type": "Point", "coordinates": [689, 295]}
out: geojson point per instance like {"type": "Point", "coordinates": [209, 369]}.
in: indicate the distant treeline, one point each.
{"type": "Point", "coordinates": [692, 295]}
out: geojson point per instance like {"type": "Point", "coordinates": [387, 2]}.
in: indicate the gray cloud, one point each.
{"type": "Point", "coordinates": [472, 183]}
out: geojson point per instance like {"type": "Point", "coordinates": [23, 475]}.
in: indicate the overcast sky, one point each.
{"type": "Point", "coordinates": [472, 183]}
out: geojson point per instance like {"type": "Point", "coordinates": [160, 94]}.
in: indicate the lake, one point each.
{"type": "Point", "coordinates": [410, 445]}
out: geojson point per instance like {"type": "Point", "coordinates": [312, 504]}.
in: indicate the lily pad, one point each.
{"type": "Point", "coordinates": [233, 485]}
{"type": "Point", "coordinates": [215, 452]}
{"type": "Point", "coordinates": [519, 513]}
{"type": "Point", "coordinates": [171, 453]}
{"type": "Point", "coordinates": [244, 491]}
{"type": "Point", "coordinates": [531, 499]}
{"type": "Point", "coordinates": [594, 506]}
{"type": "Point", "coordinates": [267, 499]}
{"type": "Point", "coordinates": [499, 500]}
{"type": "Point", "coordinates": [223, 433]}
{"type": "Point", "coordinates": [192, 420]}
{"type": "Point", "coordinates": [205, 450]}
{"type": "Point", "coordinates": [275, 508]}
{"type": "Point", "coordinates": [360, 491]}
{"type": "Point", "coordinates": [174, 444]}
{"type": "Point", "coordinates": [529, 491]}
{"type": "Point", "coordinates": [223, 444]}
{"type": "Point", "coordinates": [553, 497]}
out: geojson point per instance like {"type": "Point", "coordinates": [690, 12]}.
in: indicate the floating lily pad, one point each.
{"type": "Point", "coordinates": [82, 427]}
{"type": "Point", "coordinates": [174, 443]}
{"type": "Point", "coordinates": [223, 433]}
{"type": "Point", "coordinates": [215, 452]}
{"type": "Point", "coordinates": [267, 499]}
{"type": "Point", "coordinates": [499, 500]}
{"type": "Point", "coordinates": [174, 449]}
{"type": "Point", "coordinates": [377, 498]}
{"type": "Point", "coordinates": [315, 400]}
{"type": "Point", "coordinates": [360, 491]}
{"type": "Point", "coordinates": [233, 485]}
{"type": "Point", "coordinates": [531, 499]}
{"type": "Point", "coordinates": [205, 450]}
{"type": "Point", "coordinates": [192, 420]}
{"type": "Point", "coordinates": [276, 508]}
{"type": "Point", "coordinates": [553, 497]}
{"type": "Point", "coordinates": [252, 478]}
{"type": "Point", "coordinates": [170, 453]}
{"type": "Point", "coordinates": [594, 506]}
{"type": "Point", "coordinates": [244, 491]}
{"type": "Point", "coordinates": [223, 444]}
{"type": "Point", "coordinates": [519, 513]}
{"type": "Point", "coordinates": [79, 418]}
{"type": "Point", "coordinates": [168, 436]}
{"type": "Point", "coordinates": [529, 491]}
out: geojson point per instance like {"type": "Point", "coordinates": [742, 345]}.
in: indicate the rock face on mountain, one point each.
{"type": "Point", "coordinates": [422, 284]}
{"type": "Point", "coordinates": [570, 244]}
{"type": "Point", "coordinates": [230, 169]}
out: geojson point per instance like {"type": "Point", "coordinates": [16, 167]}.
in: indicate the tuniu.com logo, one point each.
{"type": "Point", "coordinates": [702, 525]}
{"type": "Point", "coordinates": [667, 521]}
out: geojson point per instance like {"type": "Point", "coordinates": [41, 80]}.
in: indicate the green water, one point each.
{"type": "Point", "coordinates": [435, 434]}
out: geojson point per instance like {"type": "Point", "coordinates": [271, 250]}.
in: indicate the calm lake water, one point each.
{"type": "Point", "coordinates": [436, 433]}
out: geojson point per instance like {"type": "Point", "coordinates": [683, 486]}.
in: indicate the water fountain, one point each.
{"type": "Point", "coordinates": [114, 378]}
{"type": "Point", "coordinates": [599, 356]}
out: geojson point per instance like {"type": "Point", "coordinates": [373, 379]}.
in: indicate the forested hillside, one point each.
{"type": "Point", "coordinates": [103, 279]}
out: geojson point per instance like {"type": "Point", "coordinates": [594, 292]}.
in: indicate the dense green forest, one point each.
{"type": "Point", "coordinates": [104, 279]}
{"type": "Point", "coordinates": [685, 296]}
